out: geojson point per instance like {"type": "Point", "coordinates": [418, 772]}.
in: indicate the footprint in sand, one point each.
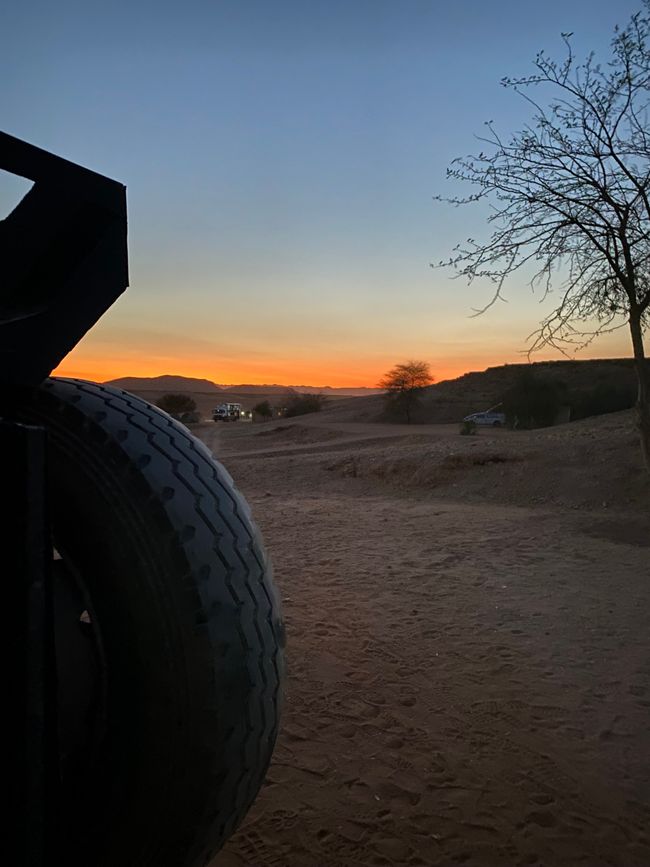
{"type": "Point", "coordinates": [257, 850]}
{"type": "Point", "coordinates": [392, 792]}
{"type": "Point", "coordinates": [543, 818]}
{"type": "Point", "coordinates": [542, 799]}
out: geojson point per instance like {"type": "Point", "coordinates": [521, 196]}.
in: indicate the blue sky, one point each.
{"type": "Point", "coordinates": [281, 159]}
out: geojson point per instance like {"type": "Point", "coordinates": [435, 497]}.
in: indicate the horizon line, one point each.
{"type": "Point", "coordinates": [252, 384]}
{"type": "Point", "coordinates": [66, 369]}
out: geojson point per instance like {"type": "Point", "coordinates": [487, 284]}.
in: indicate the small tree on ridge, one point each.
{"type": "Point", "coordinates": [403, 385]}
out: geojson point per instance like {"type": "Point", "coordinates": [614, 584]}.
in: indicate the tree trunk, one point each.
{"type": "Point", "coordinates": [643, 377]}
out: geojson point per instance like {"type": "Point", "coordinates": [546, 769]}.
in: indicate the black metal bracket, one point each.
{"type": "Point", "coordinates": [63, 258]}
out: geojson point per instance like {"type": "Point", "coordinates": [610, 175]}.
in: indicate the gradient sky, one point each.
{"type": "Point", "coordinates": [281, 159]}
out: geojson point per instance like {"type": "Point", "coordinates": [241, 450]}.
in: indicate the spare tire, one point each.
{"type": "Point", "coordinates": [175, 588]}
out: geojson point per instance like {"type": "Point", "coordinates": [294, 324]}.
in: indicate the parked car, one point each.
{"type": "Point", "coordinates": [494, 419]}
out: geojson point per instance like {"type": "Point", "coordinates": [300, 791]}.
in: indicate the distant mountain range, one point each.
{"type": "Point", "coordinates": [168, 383]}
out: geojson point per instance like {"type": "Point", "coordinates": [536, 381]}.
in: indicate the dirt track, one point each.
{"type": "Point", "coordinates": [469, 680]}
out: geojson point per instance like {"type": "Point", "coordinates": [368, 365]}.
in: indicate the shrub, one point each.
{"type": "Point", "coordinates": [603, 398]}
{"type": "Point", "coordinates": [467, 428]}
{"type": "Point", "coordinates": [301, 404]}
{"type": "Point", "coordinates": [178, 405]}
{"type": "Point", "coordinates": [263, 409]}
{"type": "Point", "coordinates": [532, 401]}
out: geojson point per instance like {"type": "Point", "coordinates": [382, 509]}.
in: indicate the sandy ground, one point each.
{"type": "Point", "coordinates": [468, 644]}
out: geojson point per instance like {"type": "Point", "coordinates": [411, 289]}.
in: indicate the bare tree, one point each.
{"type": "Point", "coordinates": [403, 384]}
{"type": "Point", "coordinates": [570, 199]}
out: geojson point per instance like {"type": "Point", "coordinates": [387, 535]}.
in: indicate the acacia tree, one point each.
{"type": "Point", "coordinates": [403, 385]}
{"type": "Point", "coordinates": [570, 199]}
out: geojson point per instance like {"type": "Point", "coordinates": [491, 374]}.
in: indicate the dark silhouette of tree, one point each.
{"type": "Point", "coordinates": [403, 385]}
{"type": "Point", "coordinates": [604, 397]}
{"type": "Point", "coordinates": [570, 197]}
{"type": "Point", "coordinates": [263, 409]}
{"type": "Point", "coordinates": [177, 405]}
{"type": "Point", "coordinates": [533, 401]}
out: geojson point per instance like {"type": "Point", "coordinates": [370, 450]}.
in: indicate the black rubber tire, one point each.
{"type": "Point", "coordinates": [182, 595]}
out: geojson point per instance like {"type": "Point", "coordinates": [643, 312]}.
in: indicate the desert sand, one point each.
{"type": "Point", "coordinates": [468, 643]}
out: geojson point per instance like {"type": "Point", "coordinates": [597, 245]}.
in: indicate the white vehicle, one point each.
{"type": "Point", "coordinates": [494, 419]}
{"type": "Point", "coordinates": [227, 412]}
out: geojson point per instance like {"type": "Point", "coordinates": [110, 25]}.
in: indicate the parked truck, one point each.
{"type": "Point", "coordinates": [227, 412]}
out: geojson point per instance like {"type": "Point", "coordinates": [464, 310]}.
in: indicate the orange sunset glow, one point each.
{"type": "Point", "coordinates": [341, 371]}
{"type": "Point", "coordinates": [350, 373]}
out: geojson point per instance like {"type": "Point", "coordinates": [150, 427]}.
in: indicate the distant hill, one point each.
{"type": "Point", "coordinates": [303, 389]}
{"type": "Point", "coordinates": [163, 383]}
{"type": "Point", "coordinates": [187, 383]}
{"type": "Point", "coordinates": [207, 394]}
{"type": "Point", "coordinates": [452, 399]}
